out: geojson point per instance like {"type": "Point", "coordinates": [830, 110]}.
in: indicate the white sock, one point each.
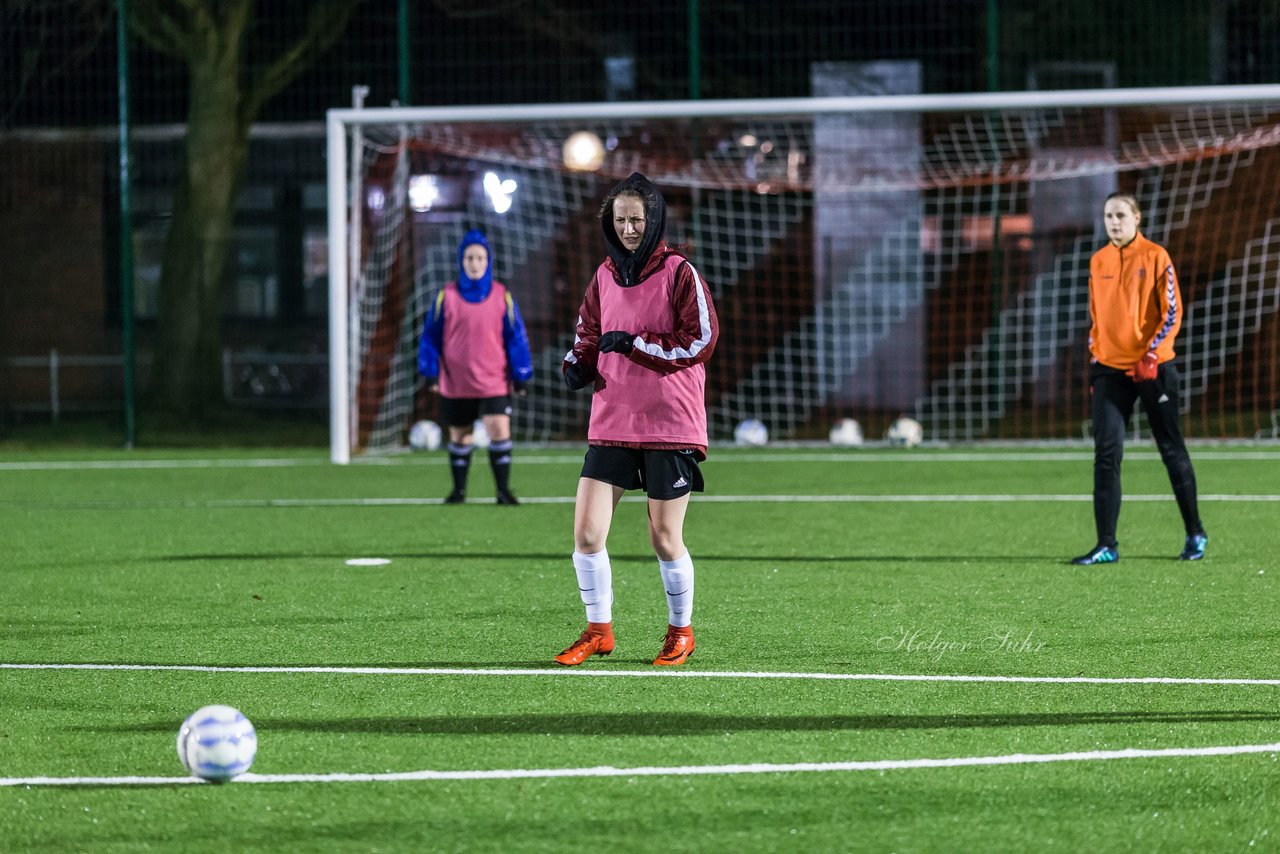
{"type": "Point", "coordinates": [677, 581]}
{"type": "Point", "coordinates": [595, 585]}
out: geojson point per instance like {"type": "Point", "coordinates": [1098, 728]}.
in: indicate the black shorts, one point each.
{"type": "Point", "coordinates": [663, 475]}
{"type": "Point", "coordinates": [463, 411]}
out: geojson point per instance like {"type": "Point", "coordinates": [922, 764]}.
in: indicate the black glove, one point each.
{"type": "Point", "coordinates": [521, 388]}
{"type": "Point", "coordinates": [616, 342]}
{"type": "Point", "coordinates": [575, 378]}
{"type": "Point", "coordinates": [431, 382]}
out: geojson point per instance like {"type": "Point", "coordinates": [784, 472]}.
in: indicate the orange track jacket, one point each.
{"type": "Point", "coordinates": [1134, 303]}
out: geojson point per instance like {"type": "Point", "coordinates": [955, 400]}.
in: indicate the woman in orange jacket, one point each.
{"type": "Point", "coordinates": [1137, 311]}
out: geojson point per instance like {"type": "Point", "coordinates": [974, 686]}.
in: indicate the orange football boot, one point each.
{"type": "Point", "coordinates": [591, 642]}
{"type": "Point", "coordinates": [677, 647]}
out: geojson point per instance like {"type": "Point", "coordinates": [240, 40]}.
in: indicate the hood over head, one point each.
{"type": "Point", "coordinates": [631, 264]}
{"type": "Point", "coordinates": [474, 290]}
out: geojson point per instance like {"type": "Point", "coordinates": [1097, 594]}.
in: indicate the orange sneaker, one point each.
{"type": "Point", "coordinates": [589, 644]}
{"type": "Point", "coordinates": [676, 648]}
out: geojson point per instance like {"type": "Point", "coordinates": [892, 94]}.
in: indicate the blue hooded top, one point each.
{"type": "Point", "coordinates": [515, 338]}
{"type": "Point", "coordinates": [474, 290]}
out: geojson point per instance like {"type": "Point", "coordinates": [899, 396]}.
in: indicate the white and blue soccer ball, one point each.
{"type": "Point", "coordinates": [751, 432]}
{"type": "Point", "coordinates": [217, 743]}
{"type": "Point", "coordinates": [905, 433]}
{"type": "Point", "coordinates": [425, 436]}
{"type": "Point", "coordinates": [846, 433]}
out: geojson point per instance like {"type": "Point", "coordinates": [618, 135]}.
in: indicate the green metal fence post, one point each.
{"type": "Point", "coordinates": [402, 41]}
{"type": "Point", "coordinates": [695, 92]}
{"type": "Point", "coordinates": [126, 224]}
{"type": "Point", "coordinates": [997, 254]}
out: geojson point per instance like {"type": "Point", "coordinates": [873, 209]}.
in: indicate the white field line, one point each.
{"type": "Point", "coordinates": [111, 465]}
{"type": "Point", "coordinates": [419, 501]}
{"type": "Point", "coordinates": [659, 674]}
{"type": "Point", "coordinates": [741, 499]}
{"type": "Point", "coordinates": [780, 456]}
{"type": "Point", "coordinates": [674, 770]}
{"type": "Point", "coordinates": [962, 456]}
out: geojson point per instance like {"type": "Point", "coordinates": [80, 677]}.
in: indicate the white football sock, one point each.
{"type": "Point", "coordinates": [677, 581]}
{"type": "Point", "coordinates": [595, 585]}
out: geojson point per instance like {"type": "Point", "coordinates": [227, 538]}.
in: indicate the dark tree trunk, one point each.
{"type": "Point", "coordinates": [226, 93]}
{"type": "Point", "coordinates": [188, 370]}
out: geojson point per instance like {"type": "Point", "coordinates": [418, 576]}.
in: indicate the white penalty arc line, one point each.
{"type": "Point", "coordinates": [658, 674]}
{"type": "Point", "coordinates": [674, 770]}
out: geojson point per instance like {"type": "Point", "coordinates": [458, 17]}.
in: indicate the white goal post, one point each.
{"type": "Point", "coordinates": [871, 256]}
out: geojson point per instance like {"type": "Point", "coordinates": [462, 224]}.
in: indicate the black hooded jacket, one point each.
{"type": "Point", "coordinates": [629, 265]}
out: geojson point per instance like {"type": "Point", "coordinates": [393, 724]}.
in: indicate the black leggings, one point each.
{"type": "Point", "coordinates": [1113, 395]}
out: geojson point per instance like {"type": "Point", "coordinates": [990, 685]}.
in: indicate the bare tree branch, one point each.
{"type": "Point", "coordinates": [201, 17]}
{"type": "Point", "coordinates": [38, 60]}
{"type": "Point", "coordinates": [326, 21]}
{"type": "Point", "coordinates": [544, 19]}
{"type": "Point", "coordinates": [194, 7]}
{"type": "Point", "coordinates": [462, 9]}
{"type": "Point", "coordinates": [153, 23]}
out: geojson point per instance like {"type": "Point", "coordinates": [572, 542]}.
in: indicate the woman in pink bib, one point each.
{"type": "Point", "coordinates": [474, 352]}
{"type": "Point", "coordinates": [646, 328]}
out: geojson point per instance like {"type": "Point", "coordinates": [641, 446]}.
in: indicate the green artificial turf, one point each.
{"type": "Point", "coordinates": [235, 559]}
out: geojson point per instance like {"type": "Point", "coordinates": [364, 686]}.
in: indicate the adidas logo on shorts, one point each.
{"type": "Point", "coordinates": [679, 483]}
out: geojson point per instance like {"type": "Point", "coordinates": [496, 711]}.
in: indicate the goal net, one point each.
{"type": "Point", "coordinates": [870, 257]}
